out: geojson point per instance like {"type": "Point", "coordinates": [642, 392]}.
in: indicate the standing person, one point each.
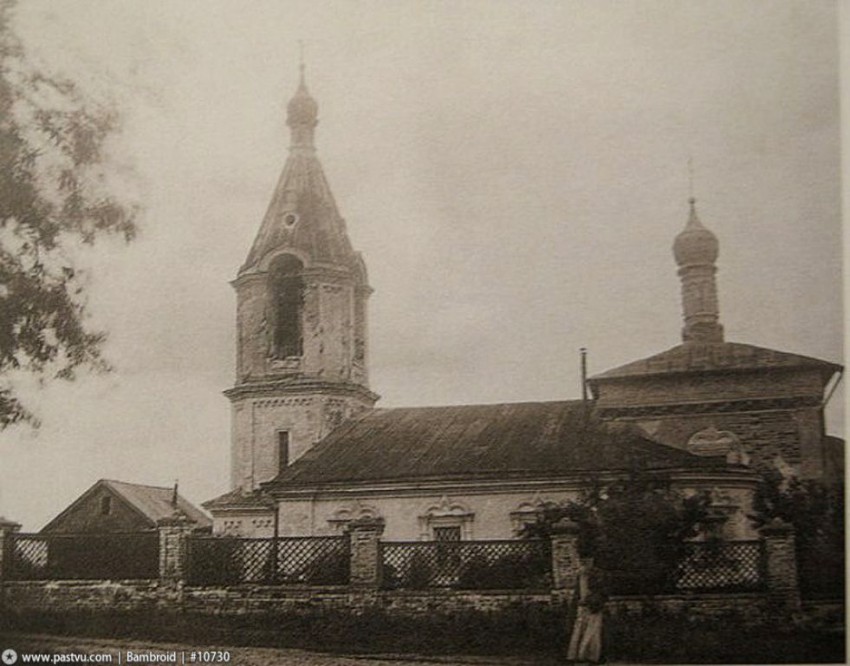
{"type": "Point", "coordinates": [586, 638]}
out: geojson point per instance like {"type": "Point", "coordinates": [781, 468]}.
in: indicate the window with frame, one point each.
{"type": "Point", "coordinates": [282, 450]}
{"type": "Point", "coordinates": [447, 533]}
{"type": "Point", "coordinates": [446, 520]}
{"type": "Point", "coordinates": [105, 505]}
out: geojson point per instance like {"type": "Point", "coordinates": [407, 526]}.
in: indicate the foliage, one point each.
{"type": "Point", "coordinates": [330, 568]}
{"type": "Point", "coordinates": [54, 193]}
{"type": "Point", "coordinates": [214, 561]}
{"type": "Point", "coordinates": [816, 510]}
{"type": "Point", "coordinates": [633, 527]}
{"type": "Point", "coordinates": [517, 570]}
{"type": "Point", "coordinates": [418, 575]}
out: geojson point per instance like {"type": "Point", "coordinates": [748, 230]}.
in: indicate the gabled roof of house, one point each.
{"type": "Point", "coordinates": [152, 502]}
{"type": "Point", "coordinates": [500, 441]}
{"type": "Point", "coordinates": [723, 356]}
{"type": "Point", "coordinates": [156, 502]}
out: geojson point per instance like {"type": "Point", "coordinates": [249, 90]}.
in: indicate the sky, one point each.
{"type": "Point", "coordinates": [514, 174]}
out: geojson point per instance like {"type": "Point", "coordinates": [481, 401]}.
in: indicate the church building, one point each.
{"type": "Point", "coordinates": [311, 452]}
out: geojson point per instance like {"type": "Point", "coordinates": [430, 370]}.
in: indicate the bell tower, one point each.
{"type": "Point", "coordinates": [301, 344]}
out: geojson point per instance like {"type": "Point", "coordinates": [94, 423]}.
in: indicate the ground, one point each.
{"type": "Point", "coordinates": [238, 656]}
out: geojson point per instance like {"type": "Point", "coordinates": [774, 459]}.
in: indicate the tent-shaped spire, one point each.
{"type": "Point", "coordinates": [302, 215]}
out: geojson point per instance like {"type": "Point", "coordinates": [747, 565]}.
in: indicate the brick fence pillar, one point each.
{"type": "Point", "coordinates": [565, 557]}
{"type": "Point", "coordinates": [366, 565]}
{"type": "Point", "coordinates": [780, 553]}
{"type": "Point", "coordinates": [7, 529]}
{"type": "Point", "coordinates": [174, 534]}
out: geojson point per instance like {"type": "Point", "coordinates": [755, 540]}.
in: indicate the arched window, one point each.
{"type": "Point", "coordinates": [286, 289]}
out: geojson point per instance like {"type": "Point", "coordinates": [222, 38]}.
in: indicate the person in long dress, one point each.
{"type": "Point", "coordinates": [586, 637]}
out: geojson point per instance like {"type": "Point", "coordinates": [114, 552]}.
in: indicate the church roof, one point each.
{"type": "Point", "coordinates": [303, 216]}
{"type": "Point", "coordinates": [721, 357]}
{"type": "Point", "coordinates": [500, 441]}
{"type": "Point", "coordinates": [239, 499]}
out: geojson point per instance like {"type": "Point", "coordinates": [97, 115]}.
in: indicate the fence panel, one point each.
{"type": "Point", "coordinates": [721, 566]}
{"type": "Point", "coordinates": [84, 556]}
{"type": "Point", "coordinates": [281, 561]}
{"type": "Point", "coordinates": [711, 566]}
{"type": "Point", "coordinates": [469, 565]}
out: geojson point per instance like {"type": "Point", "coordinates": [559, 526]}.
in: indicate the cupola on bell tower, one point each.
{"type": "Point", "coordinates": [695, 250]}
{"type": "Point", "coordinates": [301, 345]}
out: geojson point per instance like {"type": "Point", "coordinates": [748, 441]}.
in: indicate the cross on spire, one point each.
{"type": "Point", "coordinates": [691, 197]}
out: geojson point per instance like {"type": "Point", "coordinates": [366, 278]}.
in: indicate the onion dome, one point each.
{"type": "Point", "coordinates": [302, 108]}
{"type": "Point", "coordinates": [695, 244]}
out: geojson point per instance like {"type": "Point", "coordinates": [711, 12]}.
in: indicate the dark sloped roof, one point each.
{"type": "Point", "coordinates": [723, 356]}
{"type": "Point", "coordinates": [237, 498]}
{"type": "Point", "coordinates": [319, 232]}
{"type": "Point", "coordinates": [514, 440]}
{"type": "Point", "coordinates": [155, 501]}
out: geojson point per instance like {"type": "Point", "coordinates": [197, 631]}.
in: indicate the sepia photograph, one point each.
{"type": "Point", "coordinates": [359, 332]}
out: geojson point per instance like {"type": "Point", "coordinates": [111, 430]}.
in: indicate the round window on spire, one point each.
{"type": "Point", "coordinates": [290, 220]}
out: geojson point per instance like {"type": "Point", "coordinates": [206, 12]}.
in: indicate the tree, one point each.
{"type": "Point", "coordinates": [633, 527]}
{"type": "Point", "coordinates": [816, 510]}
{"type": "Point", "coordinates": [54, 193]}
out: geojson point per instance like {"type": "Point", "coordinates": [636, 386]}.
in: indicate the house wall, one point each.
{"type": "Point", "coordinates": [788, 439]}
{"type": "Point", "coordinates": [86, 516]}
{"type": "Point", "coordinates": [410, 517]}
{"type": "Point", "coordinates": [776, 414]}
{"type": "Point", "coordinates": [681, 388]}
{"type": "Point", "coordinates": [253, 524]}
{"type": "Point", "coordinates": [481, 515]}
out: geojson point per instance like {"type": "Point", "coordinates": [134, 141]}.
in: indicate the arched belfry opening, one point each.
{"type": "Point", "coordinates": [286, 291]}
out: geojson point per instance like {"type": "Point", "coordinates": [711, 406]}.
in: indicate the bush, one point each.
{"type": "Point", "coordinates": [514, 571]}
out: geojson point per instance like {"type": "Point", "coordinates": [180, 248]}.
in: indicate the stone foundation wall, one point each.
{"type": "Point", "coordinates": [751, 609]}
{"type": "Point", "coordinates": [69, 596]}
{"type": "Point", "coordinates": [58, 597]}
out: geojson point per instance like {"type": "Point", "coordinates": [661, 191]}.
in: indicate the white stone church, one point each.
{"type": "Point", "coordinates": [311, 451]}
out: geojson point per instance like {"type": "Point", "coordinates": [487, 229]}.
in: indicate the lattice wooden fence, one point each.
{"type": "Point", "coordinates": [711, 566]}
{"type": "Point", "coordinates": [285, 560]}
{"type": "Point", "coordinates": [471, 565]}
{"type": "Point", "coordinates": [721, 566]}
{"type": "Point", "coordinates": [109, 556]}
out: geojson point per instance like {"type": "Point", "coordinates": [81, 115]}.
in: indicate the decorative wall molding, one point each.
{"type": "Point", "coordinates": [446, 513]}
